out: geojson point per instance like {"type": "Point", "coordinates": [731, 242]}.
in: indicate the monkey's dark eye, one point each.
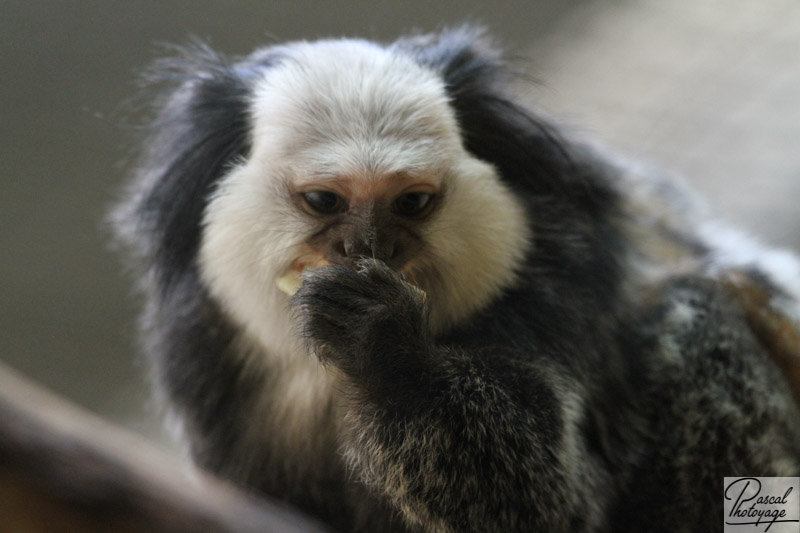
{"type": "Point", "coordinates": [324, 202]}
{"type": "Point", "coordinates": [412, 204]}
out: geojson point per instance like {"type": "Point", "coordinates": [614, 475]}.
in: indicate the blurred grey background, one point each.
{"type": "Point", "coordinates": [708, 89]}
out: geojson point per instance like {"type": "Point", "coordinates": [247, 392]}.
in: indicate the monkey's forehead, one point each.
{"type": "Point", "coordinates": [366, 104]}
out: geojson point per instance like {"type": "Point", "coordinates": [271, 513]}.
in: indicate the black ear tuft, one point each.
{"type": "Point", "coordinates": [526, 150]}
{"type": "Point", "coordinates": [201, 127]}
{"type": "Point", "coordinates": [462, 55]}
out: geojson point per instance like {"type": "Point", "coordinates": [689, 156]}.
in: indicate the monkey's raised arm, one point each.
{"type": "Point", "coordinates": [459, 438]}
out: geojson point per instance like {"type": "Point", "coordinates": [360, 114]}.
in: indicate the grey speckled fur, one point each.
{"type": "Point", "coordinates": [609, 388]}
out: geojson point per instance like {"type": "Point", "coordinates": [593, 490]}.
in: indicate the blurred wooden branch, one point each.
{"type": "Point", "coordinates": [63, 469]}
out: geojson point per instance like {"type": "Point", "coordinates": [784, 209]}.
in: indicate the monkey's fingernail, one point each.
{"type": "Point", "coordinates": [422, 294]}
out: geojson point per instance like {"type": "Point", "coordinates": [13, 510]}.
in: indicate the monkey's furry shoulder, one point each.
{"type": "Point", "coordinates": [496, 327]}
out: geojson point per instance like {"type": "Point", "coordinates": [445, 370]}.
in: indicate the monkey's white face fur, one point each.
{"type": "Point", "coordinates": [368, 124]}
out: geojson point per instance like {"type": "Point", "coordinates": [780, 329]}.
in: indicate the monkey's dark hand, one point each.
{"type": "Point", "coordinates": [365, 320]}
{"type": "Point", "coordinates": [412, 402]}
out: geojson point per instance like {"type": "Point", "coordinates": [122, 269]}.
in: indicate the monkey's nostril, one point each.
{"type": "Point", "coordinates": [341, 249]}
{"type": "Point", "coordinates": [395, 250]}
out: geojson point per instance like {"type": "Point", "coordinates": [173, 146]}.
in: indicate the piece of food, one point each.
{"type": "Point", "coordinates": [291, 281]}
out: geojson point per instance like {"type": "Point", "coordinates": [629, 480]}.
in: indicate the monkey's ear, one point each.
{"type": "Point", "coordinates": [199, 129]}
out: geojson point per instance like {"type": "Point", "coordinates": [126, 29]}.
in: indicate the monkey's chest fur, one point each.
{"type": "Point", "coordinates": [294, 445]}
